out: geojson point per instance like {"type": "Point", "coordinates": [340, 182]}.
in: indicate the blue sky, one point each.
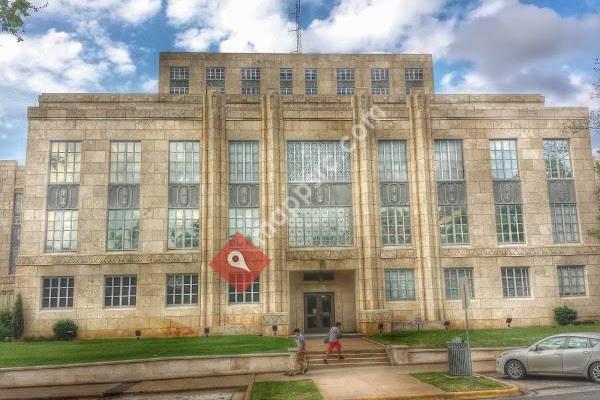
{"type": "Point", "coordinates": [484, 46]}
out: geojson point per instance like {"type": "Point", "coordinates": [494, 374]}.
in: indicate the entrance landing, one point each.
{"type": "Point", "coordinates": [348, 344]}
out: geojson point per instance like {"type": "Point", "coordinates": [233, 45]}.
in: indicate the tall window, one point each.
{"type": "Point", "coordinates": [243, 190]}
{"type": "Point", "coordinates": [63, 196]}
{"type": "Point", "coordinates": [57, 292]}
{"type": "Point", "coordinates": [182, 289]}
{"type": "Point", "coordinates": [250, 295]}
{"type": "Point", "coordinates": [394, 193]}
{"type": "Point", "coordinates": [561, 191]}
{"type": "Point", "coordinates": [215, 78]}
{"type": "Point", "coordinates": [507, 191]}
{"type": "Point", "coordinates": [320, 193]}
{"type": "Point", "coordinates": [184, 215]}
{"type": "Point", "coordinates": [452, 192]}
{"type": "Point", "coordinates": [124, 196]}
{"type": "Point", "coordinates": [250, 80]}
{"type": "Point", "coordinates": [515, 282]}
{"type": "Point", "coordinates": [15, 235]}
{"type": "Point", "coordinates": [345, 81]}
{"type": "Point", "coordinates": [286, 84]}
{"type": "Point", "coordinates": [380, 81]}
{"type": "Point", "coordinates": [311, 81]}
{"type": "Point", "coordinates": [179, 80]}
{"type": "Point", "coordinates": [452, 277]}
{"type": "Point", "coordinates": [399, 284]}
{"type": "Point", "coordinates": [120, 291]}
{"type": "Point", "coordinates": [413, 78]}
{"type": "Point", "coordinates": [571, 280]}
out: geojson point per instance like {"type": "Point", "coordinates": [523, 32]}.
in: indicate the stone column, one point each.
{"type": "Point", "coordinates": [273, 207]}
{"type": "Point", "coordinates": [364, 147]}
{"type": "Point", "coordinates": [424, 203]}
{"type": "Point", "coordinates": [213, 206]}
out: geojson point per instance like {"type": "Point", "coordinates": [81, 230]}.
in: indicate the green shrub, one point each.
{"type": "Point", "coordinates": [38, 339]}
{"type": "Point", "coordinates": [5, 332]}
{"type": "Point", "coordinates": [6, 319]}
{"type": "Point", "coordinates": [565, 315]}
{"type": "Point", "coordinates": [18, 320]}
{"type": "Point", "coordinates": [65, 329]}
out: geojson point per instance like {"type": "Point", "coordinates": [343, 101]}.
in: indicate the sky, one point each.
{"type": "Point", "coordinates": [480, 46]}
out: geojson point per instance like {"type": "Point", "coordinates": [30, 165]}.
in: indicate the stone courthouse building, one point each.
{"type": "Point", "coordinates": [125, 199]}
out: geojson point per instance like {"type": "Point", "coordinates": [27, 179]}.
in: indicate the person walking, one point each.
{"type": "Point", "coordinates": [333, 341]}
{"type": "Point", "coordinates": [301, 364]}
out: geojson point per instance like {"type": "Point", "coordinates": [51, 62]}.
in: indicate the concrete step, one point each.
{"type": "Point", "coordinates": [350, 357]}
{"type": "Point", "coordinates": [347, 364]}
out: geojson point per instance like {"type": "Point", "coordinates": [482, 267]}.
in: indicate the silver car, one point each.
{"type": "Point", "coordinates": [569, 354]}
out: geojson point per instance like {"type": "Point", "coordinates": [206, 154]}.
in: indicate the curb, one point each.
{"type": "Point", "coordinates": [475, 394]}
{"type": "Point", "coordinates": [248, 394]}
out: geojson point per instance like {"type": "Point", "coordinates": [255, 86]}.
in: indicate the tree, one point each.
{"type": "Point", "coordinates": [18, 319]}
{"type": "Point", "coordinates": [12, 13]}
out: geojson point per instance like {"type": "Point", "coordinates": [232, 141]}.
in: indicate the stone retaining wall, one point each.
{"type": "Point", "coordinates": [403, 355]}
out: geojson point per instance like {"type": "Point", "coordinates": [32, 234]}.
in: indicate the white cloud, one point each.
{"type": "Point", "coordinates": [129, 11]}
{"type": "Point", "coordinates": [150, 85]}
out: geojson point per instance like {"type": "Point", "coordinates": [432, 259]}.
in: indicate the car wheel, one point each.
{"type": "Point", "coordinates": [515, 369]}
{"type": "Point", "coordinates": [595, 372]}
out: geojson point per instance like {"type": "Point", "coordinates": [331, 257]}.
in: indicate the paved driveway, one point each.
{"type": "Point", "coordinates": [556, 388]}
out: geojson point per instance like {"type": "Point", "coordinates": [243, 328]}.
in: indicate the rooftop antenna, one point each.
{"type": "Point", "coordinates": [298, 29]}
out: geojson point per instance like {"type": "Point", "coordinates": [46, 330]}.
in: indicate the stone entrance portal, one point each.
{"type": "Point", "coordinates": [319, 312]}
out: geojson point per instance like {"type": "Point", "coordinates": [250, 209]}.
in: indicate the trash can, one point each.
{"type": "Point", "coordinates": [459, 358]}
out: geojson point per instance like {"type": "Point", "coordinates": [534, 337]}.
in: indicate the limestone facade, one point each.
{"type": "Point", "coordinates": [355, 273]}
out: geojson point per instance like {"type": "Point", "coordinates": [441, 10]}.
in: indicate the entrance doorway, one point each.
{"type": "Point", "coordinates": [318, 312]}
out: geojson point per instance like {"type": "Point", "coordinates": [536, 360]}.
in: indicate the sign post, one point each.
{"type": "Point", "coordinates": [465, 295]}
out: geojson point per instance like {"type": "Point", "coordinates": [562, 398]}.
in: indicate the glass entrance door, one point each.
{"type": "Point", "coordinates": [318, 312]}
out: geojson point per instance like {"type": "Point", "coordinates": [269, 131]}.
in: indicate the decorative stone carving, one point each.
{"type": "Point", "coordinates": [394, 193]}
{"type": "Point", "coordinates": [122, 197]}
{"type": "Point", "coordinates": [243, 195]}
{"type": "Point", "coordinates": [522, 251]}
{"type": "Point", "coordinates": [63, 197]}
{"type": "Point", "coordinates": [313, 254]}
{"type": "Point", "coordinates": [108, 259]}
{"type": "Point", "coordinates": [376, 316]}
{"type": "Point", "coordinates": [271, 319]}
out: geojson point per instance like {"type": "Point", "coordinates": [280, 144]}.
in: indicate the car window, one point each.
{"type": "Point", "coordinates": [551, 344]}
{"type": "Point", "coordinates": [594, 342]}
{"type": "Point", "coordinates": [578, 343]}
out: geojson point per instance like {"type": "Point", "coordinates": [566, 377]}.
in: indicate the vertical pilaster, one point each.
{"type": "Point", "coordinates": [273, 210]}
{"type": "Point", "coordinates": [424, 215]}
{"type": "Point", "coordinates": [363, 143]}
{"type": "Point", "coordinates": [214, 196]}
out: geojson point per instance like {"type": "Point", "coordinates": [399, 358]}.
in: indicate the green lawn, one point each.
{"type": "Point", "coordinates": [460, 383]}
{"type": "Point", "coordinates": [507, 337]}
{"type": "Point", "coordinates": [19, 354]}
{"type": "Point", "coordinates": [286, 390]}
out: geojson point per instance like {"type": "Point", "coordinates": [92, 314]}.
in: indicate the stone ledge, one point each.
{"type": "Point", "coordinates": [521, 251]}
{"type": "Point", "coordinates": [108, 259]}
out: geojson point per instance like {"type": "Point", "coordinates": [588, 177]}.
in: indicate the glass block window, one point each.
{"type": "Point", "coordinates": [515, 282]}
{"type": "Point", "coordinates": [326, 226]}
{"type": "Point", "coordinates": [250, 295]}
{"type": "Point", "coordinates": [394, 193]}
{"type": "Point", "coordinates": [503, 154]}
{"type": "Point", "coordinates": [311, 79]}
{"type": "Point", "coordinates": [250, 80]}
{"type": "Point", "coordinates": [286, 81]}
{"type": "Point", "coordinates": [120, 291]}
{"type": "Point", "coordinates": [57, 292]}
{"type": "Point", "coordinates": [184, 162]}
{"type": "Point", "coordinates": [123, 230]}
{"type": "Point", "coordinates": [380, 81]}
{"type": "Point", "coordinates": [184, 228]}
{"type": "Point", "coordinates": [15, 236]}
{"type": "Point", "coordinates": [215, 78]}
{"type": "Point", "coordinates": [345, 81]}
{"type": "Point", "coordinates": [452, 277]}
{"type": "Point", "coordinates": [65, 162]}
{"type": "Point", "coordinates": [558, 159]}
{"type": "Point", "coordinates": [399, 284]}
{"type": "Point", "coordinates": [182, 289]}
{"type": "Point", "coordinates": [179, 80]}
{"type": "Point", "coordinates": [509, 223]}
{"type": "Point", "coordinates": [561, 191]}
{"type": "Point", "coordinates": [125, 161]}
{"type": "Point", "coordinates": [413, 78]}
{"type": "Point", "coordinates": [320, 191]}
{"type": "Point", "coordinates": [61, 231]}
{"type": "Point", "coordinates": [318, 161]}
{"type": "Point", "coordinates": [244, 216]}
{"type": "Point", "coordinates": [571, 280]}
{"type": "Point", "coordinates": [452, 193]}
